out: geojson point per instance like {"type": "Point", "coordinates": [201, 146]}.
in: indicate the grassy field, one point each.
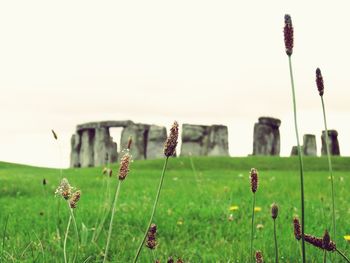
{"type": "Point", "coordinates": [192, 215]}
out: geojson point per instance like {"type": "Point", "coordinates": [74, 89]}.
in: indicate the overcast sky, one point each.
{"type": "Point", "coordinates": [207, 62]}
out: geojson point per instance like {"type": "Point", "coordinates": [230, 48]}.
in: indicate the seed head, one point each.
{"type": "Point", "coordinates": [288, 34]}
{"type": "Point", "coordinates": [54, 134]}
{"type": "Point", "coordinates": [319, 82]}
{"type": "Point", "coordinates": [44, 181]}
{"type": "Point", "coordinates": [327, 243]}
{"type": "Point", "coordinates": [74, 199]}
{"type": "Point", "coordinates": [259, 257]}
{"type": "Point", "coordinates": [297, 232]}
{"type": "Point", "coordinates": [124, 165]}
{"type": "Point", "coordinates": [129, 142]}
{"type": "Point", "coordinates": [171, 141]}
{"type": "Point", "coordinates": [170, 260]}
{"type": "Point", "coordinates": [254, 179]}
{"type": "Point", "coordinates": [179, 260]}
{"type": "Point", "coordinates": [274, 211]}
{"type": "Point", "coordinates": [151, 237]}
{"type": "Point", "coordinates": [64, 189]}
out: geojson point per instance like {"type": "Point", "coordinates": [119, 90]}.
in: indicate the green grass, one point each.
{"type": "Point", "coordinates": [200, 202]}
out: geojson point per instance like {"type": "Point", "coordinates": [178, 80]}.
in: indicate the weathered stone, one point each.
{"type": "Point", "coordinates": [218, 141]}
{"type": "Point", "coordinates": [103, 124]}
{"type": "Point", "coordinates": [155, 143]}
{"type": "Point", "coordinates": [266, 136]}
{"type": "Point", "coordinates": [333, 143]}
{"type": "Point", "coordinates": [295, 151]}
{"type": "Point", "coordinates": [104, 146]}
{"type": "Point", "coordinates": [75, 150]}
{"type": "Point", "coordinates": [309, 145]}
{"type": "Point", "coordinates": [139, 134]}
{"type": "Point", "coordinates": [87, 148]}
{"type": "Point", "coordinates": [200, 140]}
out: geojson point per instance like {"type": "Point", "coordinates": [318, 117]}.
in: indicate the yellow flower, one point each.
{"type": "Point", "coordinates": [259, 226]}
{"type": "Point", "coordinates": [347, 238]}
{"type": "Point", "coordinates": [257, 209]}
{"type": "Point", "coordinates": [180, 222]}
{"type": "Point", "coordinates": [233, 208]}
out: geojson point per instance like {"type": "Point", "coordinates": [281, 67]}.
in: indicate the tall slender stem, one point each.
{"type": "Point", "coordinates": [252, 232]}
{"type": "Point", "coordinates": [324, 256]}
{"type": "Point", "coordinates": [343, 255]}
{"type": "Point", "coordinates": [301, 166]}
{"type": "Point", "coordinates": [275, 236]}
{"type": "Point", "coordinates": [112, 217]}
{"type": "Point", "coordinates": [65, 239]}
{"type": "Point", "coordinates": [329, 166]}
{"type": "Point", "coordinates": [153, 211]}
{"type": "Point", "coordinates": [76, 231]}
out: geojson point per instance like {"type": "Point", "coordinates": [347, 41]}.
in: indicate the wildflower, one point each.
{"type": "Point", "coordinates": [288, 35]}
{"type": "Point", "coordinates": [274, 211]}
{"type": "Point", "coordinates": [180, 222]}
{"type": "Point", "coordinates": [297, 232]}
{"type": "Point", "coordinates": [151, 237]}
{"type": "Point", "coordinates": [64, 189]}
{"type": "Point", "coordinates": [257, 209]}
{"type": "Point", "coordinates": [230, 217]}
{"type": "Point", "coordinates": [171, 142]}
{"type": "Point", "coordinates": [319, 82]}
{"type": "Point", "coordinates": [233, 208]}
{"type": "Point", "coordinates": [74, 199]}
{"type": "Point", "coordinates": [170, 260]}
{"type": "Point", "coordinates": [124, 165]}
{"type": "Point", "coordinates": [259, 226]}
{"type": "Point", "coordinates": [347, 238]}
{"type": "Point", "coordinates": [253, 180]}
{"type": "Point", "coordinates": [259, 257]}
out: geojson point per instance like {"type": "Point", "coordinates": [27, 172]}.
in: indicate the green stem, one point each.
{"type": "Point", "coordinates": [342, 254]}
{"type": "Point", "coordinates": [252, 234]}
{"type": "Point", "coordinates": [300, 161]}
{"type": "Point", "coordinates": [329, 166]}
{"type": "Point", "coordinates": [153, 211]}
{"type": "Point", "coordinates": [325, 256]}
{"type": "Point", "coordinates": [65, 239]}
{"type": "Point", "coordinates": [112, 217]}
{"type": "Point", "coordinates": [275, 236]}
{"type": "Point", "coordinates": [76, 231]}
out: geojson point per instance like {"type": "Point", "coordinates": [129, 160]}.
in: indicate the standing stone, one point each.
{"type": "Point", "coordinates": [218, 141]}
{"type": "Point", "coordinates": [201, 140]}
{"type": "Point", "coordinates": [294, 151]}
{"type": "Point", "coordinates": [75, 150]}
{"type": "Point", "coordinates": [332, 143]}
{"type": "Point", "coordinates": [87, 148]}
{"type": "Point", "coordinates": [266, 136]}
{"type": "Point", "coordinates": [155, 142]}
{"type": "Point", "coordinates": [101, 143]}
{"type": "Point", "coordinates": [194, 140]}
{"type": "Point", "coordinates": [139, 133]}
{"type": "Point", "coordinates": [309, 145]}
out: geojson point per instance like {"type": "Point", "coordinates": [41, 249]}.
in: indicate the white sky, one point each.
{"type": "Point", "coordinates": [67, 62]}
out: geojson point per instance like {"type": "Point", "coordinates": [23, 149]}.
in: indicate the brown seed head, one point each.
{"type": "Point", "coordinates": [129, 142]}
{"type": "Point", "coordinates": [44, 181]}
{"type": "Point", "coordinates": [327, 243]}
{"type": "Point", "coordinates": [259, 257]}
{"type": "Point", "coordinates": [288, 35]}
{"type": "Point", "coordinates": [151, 237]}
{"type": "Point", "coordinates": [54, 134]}
{"type": "Point", "coordinates": [124, 166]}
{"type": "Point", "coordinates": [74, 199]}
{"type": "Point", "coordinates": [170, 260]}
{"type": "Point", "coordinates": [64, 189]}
{"type": "Point", "coordinates": [274, 211]}
{"type": "Point", "coordinates": [319, 82]}
{"type": "Point", "coordinates": [171, 141]}
{"type": "Point", "coordinates": [254, 179]}
{"type": "Point", "coordinates": [179, 260]}
{"type": "Point", "coordinates": [297, 232]}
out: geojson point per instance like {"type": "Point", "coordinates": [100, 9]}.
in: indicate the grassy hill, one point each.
{"type": "Point", "coordinates": [192, 216]}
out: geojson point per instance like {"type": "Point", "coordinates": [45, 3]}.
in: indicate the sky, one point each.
{"type": "Point", "coordinates": [63, 63]}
